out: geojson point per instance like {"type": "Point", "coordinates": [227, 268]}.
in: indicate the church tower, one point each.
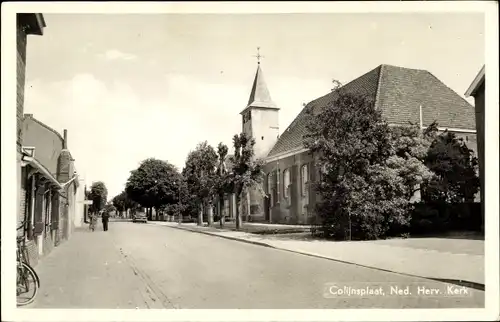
{"type": "Point", "coordinates": [260, 116]}
{"type": "Point", "coordinates": [260, 122]}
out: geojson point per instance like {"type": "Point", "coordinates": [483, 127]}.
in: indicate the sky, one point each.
{"type": "Point", "coordinates": [129, 87]}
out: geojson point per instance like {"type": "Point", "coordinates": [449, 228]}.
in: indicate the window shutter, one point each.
{"type": "Point", "coordinates": [38, 222]}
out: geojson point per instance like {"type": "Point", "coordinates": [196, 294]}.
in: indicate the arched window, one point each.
{"type": "Point", "coordinates": [286, 182]}
{"type": "Point", "coordinates": [270, 191]}
{"type": "Point", "coordinates": [304, 179]}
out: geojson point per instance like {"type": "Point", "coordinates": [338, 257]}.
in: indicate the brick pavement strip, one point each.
{"type": "Point", "coordinates": [462, 269]}
{"type": "Point", "coordinates": [88, 271]}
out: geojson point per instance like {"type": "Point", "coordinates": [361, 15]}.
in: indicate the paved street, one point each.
{"type": "Point", "coordinates": [152, 266]}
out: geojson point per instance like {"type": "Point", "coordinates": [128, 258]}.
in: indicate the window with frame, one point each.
{"type": "Point", "coordinates": [304, 179]}
{"type": "Point", "coordinates": [286, 182]}
{"type": "Point", "coordinates": [270, 191]}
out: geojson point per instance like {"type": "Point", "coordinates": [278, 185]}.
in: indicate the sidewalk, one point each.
{"type": "Point", "coordinates": [463, 265]}
{"type": "Point", "coordinates": [89, 272]}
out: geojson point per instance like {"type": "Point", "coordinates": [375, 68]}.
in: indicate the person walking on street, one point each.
{"type": "Point", "coordinates": [105, 220]}
{"type": "Point", "coordinates": [93, 221]}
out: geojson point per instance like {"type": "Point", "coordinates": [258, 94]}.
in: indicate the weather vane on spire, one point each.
{"type": "Point", "coordinates": [259, 56]}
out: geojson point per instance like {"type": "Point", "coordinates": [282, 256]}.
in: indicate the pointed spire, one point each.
{"type": "Point", "coordinates": [259, 96]}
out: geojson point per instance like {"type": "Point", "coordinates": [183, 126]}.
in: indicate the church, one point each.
{"type": "Point", "coordinates": [403, 95]}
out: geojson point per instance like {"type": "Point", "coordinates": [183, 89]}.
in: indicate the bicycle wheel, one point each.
{"type": "Point", "coordinates": [27, 284]}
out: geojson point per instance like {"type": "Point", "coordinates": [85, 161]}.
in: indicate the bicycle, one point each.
{"type": "Point", "coordinates": [27, 279]}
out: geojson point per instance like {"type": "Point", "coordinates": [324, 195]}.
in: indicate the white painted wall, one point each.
{"type": "Point", "coordinates": [79, 205]}
{"type": "Point", "coordinates": [264, 129]}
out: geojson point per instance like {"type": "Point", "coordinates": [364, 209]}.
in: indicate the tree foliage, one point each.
{"type": "Point", "coordinates": [246, 172]}
{"type": "Point", "coordinates": [182, 199]}
{"type": "Point", "coordinates": [369, 172]}
{"type": "Point", "coordinates": [411, 145]}
{"type": "Point", "coordinates": [200, 175]}
{"type": "Point", "coordinates": [122, 202]}
{"type": "Point", "coordinates": [109, 207]}
{"type": "Point", "coordinates": [153, 184]}
{"type": "Point", "coordinates": [455, 168]}
{"type": "Point", "coordinates": [222, 183]}
{"type": "Point", "coordinates": [99, 195]}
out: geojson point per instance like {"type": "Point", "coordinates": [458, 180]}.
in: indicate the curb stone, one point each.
{"type": "Point", "coordinates": [225, 237]}
{"type": "Point", "coordinates": [469, 284]}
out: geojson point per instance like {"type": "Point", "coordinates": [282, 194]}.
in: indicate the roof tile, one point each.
{"type": "Point", "coordinates": [398, 92]}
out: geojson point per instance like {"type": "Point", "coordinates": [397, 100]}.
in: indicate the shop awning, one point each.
{"type": "Point", "coordinates": [41, 169]}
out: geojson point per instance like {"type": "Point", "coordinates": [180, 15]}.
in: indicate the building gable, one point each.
{"type": "Point", "coordinates": [48, 143]}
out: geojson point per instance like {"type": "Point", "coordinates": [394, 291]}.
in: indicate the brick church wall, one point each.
{"type": "Point", "coordinates": [297, 208]}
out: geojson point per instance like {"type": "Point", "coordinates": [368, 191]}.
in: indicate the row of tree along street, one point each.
{"type": "Point", "coordinates": [369, 173]}
{"type": "Point", "coordinates": [202, 184]}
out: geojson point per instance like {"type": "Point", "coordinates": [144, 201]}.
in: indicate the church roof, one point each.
{"type": "Point", "coordinates": [259, 96]}
{"type": "Point", "coordinates": [398, 92]}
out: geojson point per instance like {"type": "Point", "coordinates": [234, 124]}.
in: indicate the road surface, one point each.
{"type": "Point", "coordinates": [150, 266]}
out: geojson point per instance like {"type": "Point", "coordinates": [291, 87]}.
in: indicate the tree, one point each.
{"type": "Point", "coordinates": [222, 184]}
{"type": "Point", "coordinates": [368, 173]}
{"type": "Point", "coordinates": [455, 166]}
{"type": "Point", "coordinates": [182, 199]}
{"type": "Point", "coordinates": [109, 207]}
{"type": "Point", "coordinates": [246, 172]}
{"type": "Point", "coordinates": [119, 203]}
{"type": "Point", "coordinates": [411, 145]}
{"type": "Point", "coordinates": [153, 184]}
{"type": "Point", "coordinates": [200, 173]}
{"type": "Point", "coordinates": [99, 195]}
{"type": "Point", "coordinates": [190, 205]}
{"type": "Point", "coordinates": [123, 203]}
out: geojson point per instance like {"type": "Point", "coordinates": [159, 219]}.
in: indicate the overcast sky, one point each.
{"type": "Point", "coordinates": [129, 87]}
